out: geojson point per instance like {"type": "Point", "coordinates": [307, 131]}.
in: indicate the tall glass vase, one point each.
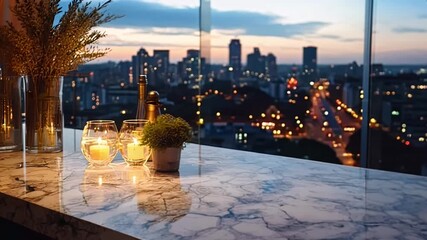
{"type": "Point", "coordinates": [10, 113]}
{"type": "Point", "coordinates": [44, 116]}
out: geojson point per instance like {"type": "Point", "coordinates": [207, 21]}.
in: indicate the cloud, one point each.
{"type": "Point", "coordinates": [410, 30]}
{"type": "Point", "coordinates": [114, 42]}
{"type": "Point", "coordinates": [260, 24]}
{"type": "Point", "coordinates": [423, 16]}
{"type": "Point", "coordinates": [328, 36]}
{"type": "Point", "coordinates": [147, 37]}
{"type": "Point", "coordinates": [335, 37]}
{"type": "Point", "coordinates": [142, 15]}
{"type": "Point", "coordinates": [173, 31]}
{"type": "Point", "coordinates": [351, 39]}
{"type": "Point", "coordinates": [227, 32]}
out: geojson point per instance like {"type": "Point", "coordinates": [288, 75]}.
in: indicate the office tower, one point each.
{"type": "Point", "coordinates": [161, 60]}
{"type": "Point", "coordinates": [124, 69]}
{"type": "Point", "coordinates": [235, 57]}
{"type": "Point", "coordinates": [255, 62]}
{"type": "Point", "coordinates": [160, 68]}
{"type": "Point", "coordinates": [141, 63]}
{"type": "Point", "coordinates": [188, 69]}
{"type": "Point", "coordinates": [309, 66]}
{"type": "Point", "coordinates": [271, 66]}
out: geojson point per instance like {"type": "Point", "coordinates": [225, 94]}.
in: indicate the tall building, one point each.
{"type": "Point", "coordinates": [161, 61]}
{"type": "Point", "coordinates": [160, 67]}
{"type": "Point", "coordinates": [256, 63]}
{"type": "Point", "coordinates": [309, 66]}
{"type": "Point", "coordinates": [271, 66]}
{"type": "Point", "coordinates": [141, 63]}
{"type": "Point", "coordinates": [235, 57]}
{"type": "Point", "coordinates": [188, 69]}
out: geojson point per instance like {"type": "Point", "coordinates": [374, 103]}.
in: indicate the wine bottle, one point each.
{"type": "Point", "coordinates": [142, 92]}
{"type": "Point", "coordinates": [153, 106]}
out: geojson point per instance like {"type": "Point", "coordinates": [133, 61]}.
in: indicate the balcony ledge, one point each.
{"type": "Point", "coordinates": [217, 194]}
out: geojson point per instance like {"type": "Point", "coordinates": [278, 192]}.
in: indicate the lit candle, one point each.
{"type": "Point", "coordinates": [135, 150]}
{"type": "Point", "coordinates": [51, 135]}
{"type": "Point", "coordinates": [100, 151]}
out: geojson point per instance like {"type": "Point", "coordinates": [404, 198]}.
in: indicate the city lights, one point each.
{"type": "Point", "coordinates": [318, 102]}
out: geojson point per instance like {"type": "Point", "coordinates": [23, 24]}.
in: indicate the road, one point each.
{"type": "Point", "coordinates": [327, 125]}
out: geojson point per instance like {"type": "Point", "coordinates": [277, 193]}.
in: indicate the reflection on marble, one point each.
{"type": "Point", "coordinates": [220, 194]}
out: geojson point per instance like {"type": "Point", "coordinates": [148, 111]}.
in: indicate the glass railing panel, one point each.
{"type": "Point", "coordinates": [398, 113]}
{"type": "Point", "coordinates": [285, 78]}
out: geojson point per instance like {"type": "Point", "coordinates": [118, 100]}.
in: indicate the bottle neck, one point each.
{"type": "Point", "coordinates": [142, 92]}
{"type": "Point", "coordinates": [140, 113]}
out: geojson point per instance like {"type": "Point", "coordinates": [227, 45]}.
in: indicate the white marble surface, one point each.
{"type": "Point", "coordinates": [218, 194]}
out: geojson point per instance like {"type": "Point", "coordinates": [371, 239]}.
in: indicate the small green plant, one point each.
{"type": "Point", "coordinates": [167, 132]}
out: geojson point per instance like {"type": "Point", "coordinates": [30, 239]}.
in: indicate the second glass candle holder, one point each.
{"type": "Point", "coordinates": [131, 148]}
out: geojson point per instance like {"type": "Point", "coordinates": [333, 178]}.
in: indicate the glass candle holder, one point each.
{"type": "Point", "coordinates": [99, 142]}
{"type": "Point", "coordinates": [131, 148]}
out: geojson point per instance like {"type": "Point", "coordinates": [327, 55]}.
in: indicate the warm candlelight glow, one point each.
{"type": "Point", "coordinates": [99, 143]}
{"type": "Point", "coordinates": [135, 150]}
{"type": "Point", "coordinates": [132, 149]}
{"type": "Point", "coordinates": [51, 138]}
{"type": "Point", "coordinates": [100, 151]}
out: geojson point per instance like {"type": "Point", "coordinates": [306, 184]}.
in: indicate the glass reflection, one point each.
{"type": "Point", "coordinates": [163, 197]}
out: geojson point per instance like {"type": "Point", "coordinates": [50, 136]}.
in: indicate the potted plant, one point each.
{"type": "Point", "coordinates": [166, 137]}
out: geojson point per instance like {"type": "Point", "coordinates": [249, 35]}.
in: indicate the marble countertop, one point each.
{"type": "Point", "coordinates": [217, 194]}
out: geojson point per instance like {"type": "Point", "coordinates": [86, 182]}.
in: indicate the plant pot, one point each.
{"type": "Point", "coordinates": [166, 160]}
{"type": "Point", "coordinates": [44, 117]}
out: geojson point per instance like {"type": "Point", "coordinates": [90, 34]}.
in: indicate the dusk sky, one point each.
{"type": "Point", "coordinates": [281, 27]}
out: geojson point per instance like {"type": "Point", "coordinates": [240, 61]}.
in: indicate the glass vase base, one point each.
{"type": "Point", "coordinates": [11, 148]}
{"type": "Point", "coordinates": [43, 149]}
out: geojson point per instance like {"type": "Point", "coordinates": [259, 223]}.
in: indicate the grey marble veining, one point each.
{"type": "Point", "coordinates": [217, 194]}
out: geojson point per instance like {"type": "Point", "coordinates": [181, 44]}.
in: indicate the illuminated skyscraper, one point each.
{"type": "Point", "coordinates": [309, 66]}
{"type": "Point", "coordinates": [256, 62]}
{"type": "Point", "coordinates": [161, 61]}
{"type": "Point", "coordinates": [141, 63]}
{"type": "Point", "coordinates": [235, 57]}
{"type": "Point", "coordinates": [271, 66]}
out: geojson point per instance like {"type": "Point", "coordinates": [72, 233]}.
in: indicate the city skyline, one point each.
{"type": "Point", "coordinates": [273, 27]}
